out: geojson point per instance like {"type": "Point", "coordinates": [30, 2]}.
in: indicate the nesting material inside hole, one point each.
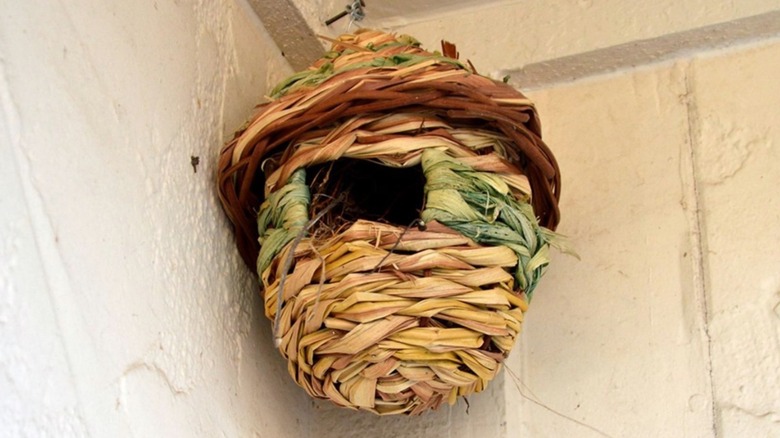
{"type": "Point", "coordinates": [373, 191]}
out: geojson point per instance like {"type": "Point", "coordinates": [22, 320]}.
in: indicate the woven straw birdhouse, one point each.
{"type": "Point", "coordinates": [398, 208]}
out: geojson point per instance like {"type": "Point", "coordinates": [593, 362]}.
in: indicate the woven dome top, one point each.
{"type": "Point", "coordinates": [375, 73]}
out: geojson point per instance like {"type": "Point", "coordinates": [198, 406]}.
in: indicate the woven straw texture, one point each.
{"type": "Point", "coordinates": [398, 208]}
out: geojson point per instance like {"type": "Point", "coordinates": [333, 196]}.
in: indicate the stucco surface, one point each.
{"type": "Point", "coordinates": [125, 309]}
{"type": "Point", "coordinates": [736, 141]}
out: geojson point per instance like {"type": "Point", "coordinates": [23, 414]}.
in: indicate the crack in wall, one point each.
{"type": "Point", "coordinates": [768, 415]}
{"type": "Point", "coordinates": [155, 369]}
{"type": "Point", "coordinates": [695, 216]}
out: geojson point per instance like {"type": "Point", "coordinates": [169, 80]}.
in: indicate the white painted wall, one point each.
{"type": "Point", "coordinates": [125, 310]}
{"type": "Point", "coordinates": [615, 340]}
{"type": "Point", "coordinates": [510, 34]}
{"type": "Point", "coordinates": [670, 323]}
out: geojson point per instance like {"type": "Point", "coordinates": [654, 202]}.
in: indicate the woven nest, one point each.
{"type": "Point", "coordinates": [402, 206]}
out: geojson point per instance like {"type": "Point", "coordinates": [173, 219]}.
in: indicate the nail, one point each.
{"type": "Point", "coordinates": [336, 18]}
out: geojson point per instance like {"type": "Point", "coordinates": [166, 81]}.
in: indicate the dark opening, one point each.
{"type": "Point", "coordinates": [373, 191]}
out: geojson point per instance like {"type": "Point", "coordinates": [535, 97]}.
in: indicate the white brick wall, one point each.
{"type": "Point", "coordinates": [670, 175]}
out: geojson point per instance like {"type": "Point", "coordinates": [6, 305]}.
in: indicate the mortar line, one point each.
{"type": "Point", "coordinates": [696, 221]}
